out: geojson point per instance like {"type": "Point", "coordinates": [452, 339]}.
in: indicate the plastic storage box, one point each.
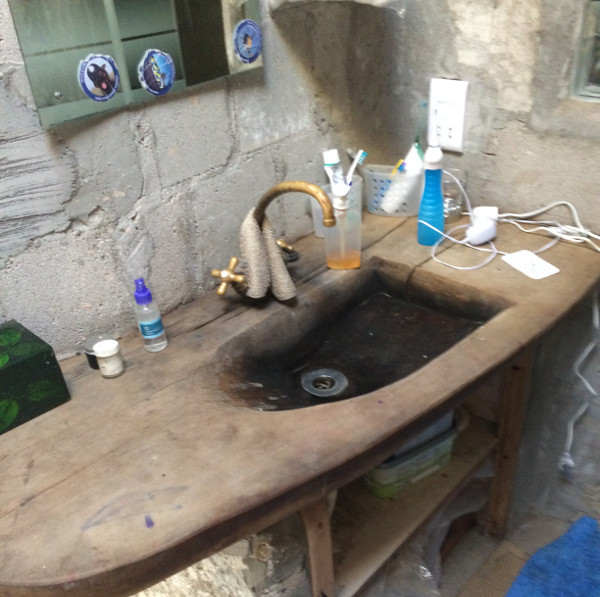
{"type": "Point", "coordinates": [388, 479]}
{"type": "Point", "coordinates": [435, 430]}
{"type": "Point", "coordinates": [400, 193]}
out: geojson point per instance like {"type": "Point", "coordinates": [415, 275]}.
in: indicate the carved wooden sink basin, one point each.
{"type": "Point", "coordinates": [348, 334]}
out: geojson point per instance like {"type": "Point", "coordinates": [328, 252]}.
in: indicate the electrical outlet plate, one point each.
{"type": "Point", "coordinates": [447, 107]}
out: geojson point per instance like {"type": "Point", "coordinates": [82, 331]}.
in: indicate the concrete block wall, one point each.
{"type": "Point", "coordinates": [158, 190]}
{"type": "Point", "coordinates": [558, 391]}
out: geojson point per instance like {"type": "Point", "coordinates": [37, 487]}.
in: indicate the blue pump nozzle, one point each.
{"type": "Point", "coordinates": [142, 294]}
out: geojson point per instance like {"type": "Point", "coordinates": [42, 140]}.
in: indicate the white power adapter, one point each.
{"type": "Point", "coordinates": [483, 229]}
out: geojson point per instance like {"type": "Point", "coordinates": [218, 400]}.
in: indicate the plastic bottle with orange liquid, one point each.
{"type": "Point", "coordinates": [342, 241]}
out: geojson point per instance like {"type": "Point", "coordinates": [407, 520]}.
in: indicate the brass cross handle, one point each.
{"type": "Point", "coordinates": [288, 252]}
{"type": "Point", "coordinates": [227, 275]}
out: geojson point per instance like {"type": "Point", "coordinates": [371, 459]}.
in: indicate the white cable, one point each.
{"type": "Point", "coordinates": [565, 462]}
{"type": "Point", "coordinates": [571, 424]}
{"type": "Point", "coordinates": [517, 223]}
{"type": "Point", "coordinates": [447, 236]}
{"type": "Point", "coordinates": [582, 357]}
{"type": "Point", "coordinates": [558, 231]}
{"type": "Point", "coordinates": [541, 210]}
{"type": "Point", "coordinates": [493, 250]}
{"type": "Point", "coordinates": [588, 349]}
{"type": "Point", "coordinates": [488, 259]}
{"type": "Point", "coordinates": [575, 234]}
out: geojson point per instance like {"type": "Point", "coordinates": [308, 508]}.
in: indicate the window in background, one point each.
{"type": "Point", "coordinates": [587, 78]}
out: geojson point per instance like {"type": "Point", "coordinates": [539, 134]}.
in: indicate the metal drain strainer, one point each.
{"type": "Point", "coordinates": [324, 383]}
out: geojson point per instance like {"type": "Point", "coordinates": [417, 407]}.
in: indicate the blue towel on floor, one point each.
{"type": "Point", "coordinates": [567, 567]}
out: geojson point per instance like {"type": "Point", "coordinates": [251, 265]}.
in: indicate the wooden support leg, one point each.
{"type": "Point", "coordinates": [515, 389]}
{"type": "Point", "coordinates": [316, 520]}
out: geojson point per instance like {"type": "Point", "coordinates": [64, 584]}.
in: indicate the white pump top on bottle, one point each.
{"type": "Point", "coordinates": [433, 158]}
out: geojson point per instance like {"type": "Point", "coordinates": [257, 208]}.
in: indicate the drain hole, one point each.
{"type": "Point", "coordinates": [324, 383]}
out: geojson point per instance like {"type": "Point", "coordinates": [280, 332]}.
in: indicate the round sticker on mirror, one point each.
{"type": "Point", "coordinates": [156, 72]}
{"type": "Point", "coordinates": [247, 41]}
{"type": "Point", "coordinates": [99, 77]}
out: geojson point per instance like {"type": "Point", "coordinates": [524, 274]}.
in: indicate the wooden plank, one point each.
{"type": "Point", "coordinates": [370, 530]}
{"type": "Point", "coordinates": [316, 519]}
{"type": "Point", "coordinates": [515, 388]}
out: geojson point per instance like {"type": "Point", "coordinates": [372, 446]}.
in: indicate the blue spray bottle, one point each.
{"type": "Point", "coordinates": [431, 210]}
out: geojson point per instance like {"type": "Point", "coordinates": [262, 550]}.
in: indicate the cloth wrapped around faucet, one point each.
{"type": "Point", "coordinates": [262, 262]}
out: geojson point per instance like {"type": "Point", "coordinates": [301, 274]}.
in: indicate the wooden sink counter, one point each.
{"type": "Point", "coordinates": [140, 476]}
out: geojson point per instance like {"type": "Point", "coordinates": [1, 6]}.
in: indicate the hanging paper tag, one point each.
{"type": "Point", "coordinates": [99, 77]}
{"type": "Point", "coordinates": [156, 72]}
{"type": "Point", "coordinates": [530, 264]}
{"type": "Point", "coordinates": [247, 41]}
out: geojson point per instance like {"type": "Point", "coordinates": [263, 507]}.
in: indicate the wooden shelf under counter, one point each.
{"type": "Point", "coordinates": [367, 531]}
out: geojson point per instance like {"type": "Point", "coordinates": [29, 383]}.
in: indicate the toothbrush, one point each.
{"type": "Point", "coordinates": [399, 167]}
{"type": "Point", "coordinates": [359, 158]}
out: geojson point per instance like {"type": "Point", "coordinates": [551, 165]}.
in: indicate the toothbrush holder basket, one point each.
{"type": "Point", "coordinates": [387, 195]}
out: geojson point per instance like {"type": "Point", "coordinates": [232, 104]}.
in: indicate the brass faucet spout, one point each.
{"type": "Point", "coordinates": [296, 186]}
{"type": "Point", "coordinates": [292, 186]}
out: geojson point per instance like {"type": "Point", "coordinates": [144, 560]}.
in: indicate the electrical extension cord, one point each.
{"type": "Point", "coordinates": [483, 228]}
{"type": "Point", "coordinates": [576, 233]}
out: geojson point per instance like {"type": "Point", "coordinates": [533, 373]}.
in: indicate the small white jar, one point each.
{"type": "Point", "coordinates": [109, 358]}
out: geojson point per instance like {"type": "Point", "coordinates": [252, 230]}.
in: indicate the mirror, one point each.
{"type": "Point", "coordinates": [56, 37]}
